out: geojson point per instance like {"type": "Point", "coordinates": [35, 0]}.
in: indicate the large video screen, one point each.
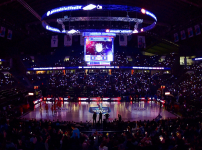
{"type": "Point", "coordinates": [98, 49]}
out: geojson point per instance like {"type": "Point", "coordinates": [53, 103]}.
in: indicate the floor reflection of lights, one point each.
{"type": "Point", "coordinates": [73, 111]}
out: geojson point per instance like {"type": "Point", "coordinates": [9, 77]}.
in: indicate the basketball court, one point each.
{"type": "Point", "coordinates": [83, 111]}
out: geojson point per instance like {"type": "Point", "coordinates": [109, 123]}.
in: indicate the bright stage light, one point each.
{"type": "Point", "coordinates": [72, 31]}
{"type": "Point", "coordinates": [30, 94]}
{"type": "Point", "coordinates": [198, 59]}
{"type": "Point", "coordinates": [167, 93]}
{"type": "Point", "coordinates": [142, 30]}
{"type": "Point", "coordinates": [135, 31]}
{"type": "Point", "coordinates": [89, 7]}
{"type": "Point", "coordinates": [143, 11]}
{"type": "Point", "coordinates": [120, 31]}
{"type": "Point", "coordinates": [99, 7]}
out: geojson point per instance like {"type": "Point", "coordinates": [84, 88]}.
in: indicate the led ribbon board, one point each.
{"type": "Point", "coordinates": [100, 67]}
{"type": "Point", "coordinates": [99, 7]}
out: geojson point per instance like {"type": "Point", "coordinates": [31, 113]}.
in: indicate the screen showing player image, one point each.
{"type": "Point", "coordinates": [98, 49]}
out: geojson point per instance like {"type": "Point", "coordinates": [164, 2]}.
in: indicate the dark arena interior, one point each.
{"type": "Point", "coordinates": [100, 75]}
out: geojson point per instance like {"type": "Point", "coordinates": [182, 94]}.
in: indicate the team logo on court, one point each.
{"type": "Point", "coordinates": [99, 109]}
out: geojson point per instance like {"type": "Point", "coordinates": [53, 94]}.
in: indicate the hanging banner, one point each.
{"type": "Point", "coordinates": [2, 32]}
{"type": "Point", "coordinates": [190, 32]}
{"type": "Point", "coordinates": [141, 42]}
{"type": "Point", "coordinates": [176, 37]}
{"type": "Point", "coordinates": [123, 40]}
{"type": "Point", "coordinates": [197, 29]}
{"type": "Point", "coordinates": [81, 40]}
{"type": "Point", "coordinates": [9, 35]}
{"type": "Point", "coordinates": [54, 41]}
{"type": "Point", "coordinates": [67, 40]}
{"type": "Point", "coordinates": [183, 35]}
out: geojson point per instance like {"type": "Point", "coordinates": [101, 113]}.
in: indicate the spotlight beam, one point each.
{"type": "Point", "coordinates": [31, 10]}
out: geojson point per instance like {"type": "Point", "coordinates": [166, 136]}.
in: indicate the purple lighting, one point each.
{"type": "Point", "coordinates": [91, 7]}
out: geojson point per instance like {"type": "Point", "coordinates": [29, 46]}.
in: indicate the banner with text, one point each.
{"type": "Point", "coordinates": [176, 37]}
{"type": "Point", "coordinates": [197, 29]}
{"type": "Point", "coordinates": [67, 40]}
{"type": "Point", "coordinates": [141, 42]}
{"type": "Point", "coordinates": [54, 41]}
{"type": "Point", "coordinates": [190, 32]}
{"type": "Point", "coordinates": [123, 40]}
{"type": "Point", "coordinates": [2, 32]}
{"type": "Point", "coordinates": [9, 35]}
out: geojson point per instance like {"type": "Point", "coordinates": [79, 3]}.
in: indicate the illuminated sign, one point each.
{"type": "Point", "coordinates": [121, 31]}
{"type": "Point", "coordinates": [151, 14]}
{"type": "Point", "coordinates": [99, 7]}
{"type": "Point", "coordinates": [89, 7]}
{"type": "Point", "coordinates": [64, 8]}
{"type": "Point", "coordinates": [135, 31]}
{"type": "Point", "coordinates": [54, 29]}
{"type": "Point", "coordinates": [99, 109]}
{"type": "Point", "coordinates": [30, 94]}
{"type": "Point", "coordinates": [167, 93]}
{"type": "Point", "coordinates": [58, 68]}
{"type": "Point", "coordinates": [71, 8]}
{"type": "Point", "coordinates": [72, 31]}
{"type": "Point", "coordinates": [109, 67]}
{"type": "Point", "coordinates": [48, 68]}
{"type": "Point", "coordinates": [98, 67]}
{"type": "Point", "coordinates": [197, 58]}
{"type": "Point", "coordinates": [98, 34]}
{"type": "Point", "coordinates": [149, 68]}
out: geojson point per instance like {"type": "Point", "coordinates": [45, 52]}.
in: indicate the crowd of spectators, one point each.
{"type": "Point", "coordinates": [102, 84]}
{"type": "Point", "coordinates": [170, 134]}
{"type": "Point", "coordinates": [120, 59]}
{"type": "Point", "coordinates": [182, 133]}
{"type": "Point", "coordinates": [123, 83]}
{"type": "Point", "coordinates": [28, 62]}
{"type": "Point", "coordinates": [4, 65]}
{"type": "Point", "coordinates": [12, 96]}
{"type": "Point", "coordinates": [6, 80]}
{"type": "Point", "coordinates": [185, 90]}
{"type": "Point", "coordinates": [74, 62]}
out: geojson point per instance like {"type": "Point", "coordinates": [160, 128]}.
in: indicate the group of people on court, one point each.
{"type": "Point", "coordinates": [100, 117]}
{"type": "Point", "coordinates": [54, 107]}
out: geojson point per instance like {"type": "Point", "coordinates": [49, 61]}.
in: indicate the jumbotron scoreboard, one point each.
{"type": "Point", "coordinates": [99, 50]}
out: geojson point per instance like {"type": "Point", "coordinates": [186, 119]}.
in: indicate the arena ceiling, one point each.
{"type": "Point", "coordinates": [173, 16]}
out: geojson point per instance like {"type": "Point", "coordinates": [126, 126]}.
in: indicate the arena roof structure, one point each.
{"type": "Point", "coordinates": [24, 18]}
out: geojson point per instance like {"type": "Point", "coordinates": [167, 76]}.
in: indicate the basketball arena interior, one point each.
{"type": "Point", "coordinates": [100, 75]}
